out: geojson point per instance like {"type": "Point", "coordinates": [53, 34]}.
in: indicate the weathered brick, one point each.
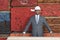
{"type": "Point", "coordinates": [19, 18]}
{"type": "Point", "coordinates": [55, 28]}
{"type": "Point", "coordinates": [29, 34]}
{"type": "Point", "coordinates": [4, 5]}
{"type": "Point", "coordinates": [49, 1]}
{"type": "Point", "coordinates": [24, 3]}
{"type": "Point", "coordinates": [53, 20]}
{"type": "Point", "coordinates": [49, 9]}
{"type": "Point", "coordinates": [3, 38]}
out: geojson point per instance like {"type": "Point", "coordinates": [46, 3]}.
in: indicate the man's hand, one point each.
{"type": "Point", "coordinates": [24, 32]}
{"type": "Point", "coordinates": [51, 32]}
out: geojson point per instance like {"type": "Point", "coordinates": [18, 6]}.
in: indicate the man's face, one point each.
{"type": "Point", "coordinates": [37, 11]}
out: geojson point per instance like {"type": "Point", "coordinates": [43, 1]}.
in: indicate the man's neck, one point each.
{"type": "Point", "coordinates": [37, 14]}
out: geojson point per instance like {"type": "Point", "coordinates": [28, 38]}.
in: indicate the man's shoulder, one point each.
{"type": "Point", "coordinates": [32, 16]}
{"type": "Point", "coordinates": [42, 16]}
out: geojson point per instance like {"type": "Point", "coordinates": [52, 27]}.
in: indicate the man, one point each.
{"type": "Point", "coordinates": [37, 22]}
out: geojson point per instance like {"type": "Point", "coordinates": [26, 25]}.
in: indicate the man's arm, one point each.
{"type": "Point", "coordinates": [27, 26]}
{"type": "Point", "coordinates": [47, 26]}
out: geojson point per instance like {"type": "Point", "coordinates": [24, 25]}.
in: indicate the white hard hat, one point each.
{"type": "Point", "coordinates": [37, 8]}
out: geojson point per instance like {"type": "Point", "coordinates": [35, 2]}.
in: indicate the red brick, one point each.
{"type": "Point", "coordinates": [53, 20]}
{"type": "Point", "coordinates": [50, 9]}
{"type": "Point", "coordinates": [20, 34]}
{"type": "Point", "coordinates": [56, 34]}
{"type": "Point", "coordinates": [24, 3]}
{"type": "Point", "coordinates": [3, 38]}
{"type": "Point", "coordinates": [19, 18]}
{"type": "Point", "coordinates": [49, 1]}
{"type": "Point", "coordinates": [45, 34]}
{"type": "Point", "coordinates": [55, 28]}
{"type": "Point", "coordinates": [4, 5]}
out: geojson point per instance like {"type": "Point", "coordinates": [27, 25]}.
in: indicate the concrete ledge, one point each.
{"type": "Point", "coordinates": [33, 38]}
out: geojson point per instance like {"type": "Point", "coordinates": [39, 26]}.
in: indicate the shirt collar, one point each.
{"type": "Point", "coordinates": [38, 15]}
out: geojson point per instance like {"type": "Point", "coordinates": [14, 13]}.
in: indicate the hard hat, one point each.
{"type": "Point", "coordinates": [37, 8]}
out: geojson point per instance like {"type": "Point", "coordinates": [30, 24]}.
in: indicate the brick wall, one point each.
{"type": "Point", "coordinates": [54, 23]}
{"type": "Point", "coordinates": [20, 17]}
{"type": "Point", "coordinates": [20, 13]}
{"type": "Point", "coordinates": [4, 16]}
